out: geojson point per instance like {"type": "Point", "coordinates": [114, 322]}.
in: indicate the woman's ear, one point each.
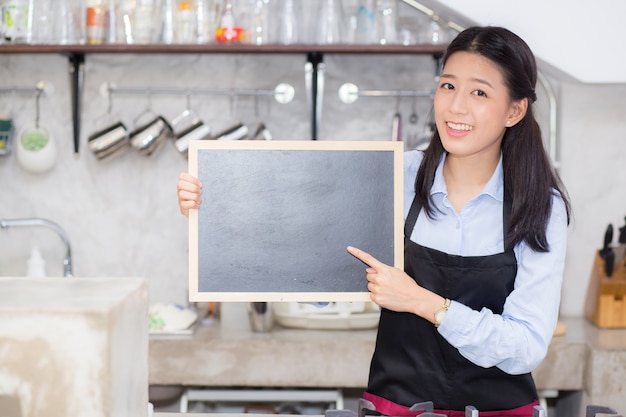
{"type": "Point", "coordinates": [517, 112]}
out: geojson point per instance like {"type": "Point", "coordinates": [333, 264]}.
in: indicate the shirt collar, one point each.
{"type": "Point", "coordinates": [493, 188]}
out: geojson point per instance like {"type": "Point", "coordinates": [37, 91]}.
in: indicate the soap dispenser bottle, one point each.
{"type": "Point", "coordinates": [36, 264]}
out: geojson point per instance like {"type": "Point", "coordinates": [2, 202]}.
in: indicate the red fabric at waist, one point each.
{"type": "Point", "coordinates": [389, 408]}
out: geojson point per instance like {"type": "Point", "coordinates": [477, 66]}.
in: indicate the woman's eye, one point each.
{"type": "Point", "coordinates": [447, 86]}
{"type": "Point", "coordinates": [480, 93]}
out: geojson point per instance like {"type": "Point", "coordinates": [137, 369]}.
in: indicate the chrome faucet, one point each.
{"type": "Point", "coordinates": [36, 221]}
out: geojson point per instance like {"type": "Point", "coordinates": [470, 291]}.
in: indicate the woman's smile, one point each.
{"type": "Point", "coordinates": [458, 129]}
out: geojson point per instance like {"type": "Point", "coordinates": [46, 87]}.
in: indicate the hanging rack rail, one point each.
{"type": "Point", "coordinates": [349, 93]}
{"type": "Point", "coordinates": [39, 88]}
{"type": "Point", "coordinates": [282, 93]}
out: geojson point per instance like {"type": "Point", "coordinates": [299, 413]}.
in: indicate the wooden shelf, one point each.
{"type": "Point", "coordinates": [77, 53]}
{"type": "Point", "coordinates": [223, 49]}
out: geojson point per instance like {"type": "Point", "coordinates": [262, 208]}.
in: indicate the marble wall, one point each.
{"type": "Point", "coordinates": [121, 215]}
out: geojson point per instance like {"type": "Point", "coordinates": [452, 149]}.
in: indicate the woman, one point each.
{"type": "Point", "coordinates": [473, 311]}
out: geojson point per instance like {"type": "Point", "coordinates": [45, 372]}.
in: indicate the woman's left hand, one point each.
{"type": "Point", "coordinates": [390, 287]}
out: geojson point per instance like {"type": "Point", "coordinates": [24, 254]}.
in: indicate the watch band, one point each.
{"type": "Point", "coordinates": [441, 313]}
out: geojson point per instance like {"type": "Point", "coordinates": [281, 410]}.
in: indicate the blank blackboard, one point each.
{"type": "Point", "coordinates": [277, 217]}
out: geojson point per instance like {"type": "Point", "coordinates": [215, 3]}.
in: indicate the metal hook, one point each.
{"type": "Point", "coordinates": [110, 104]}
{"type": "Point", "coordinates": [413, 118]}
{"type": "Point", "coordinates": [148, 109]}
{"type": "Point", "coordinates": [231, 102]}
{"type": "Point", "coordinates": [37, 97]}
{"type": "Point", "coordinates": [256, 105]}
{"type": "Point", "coordinates": [188, 99]}
{"type": "Point", "coordinates": [148, 100]}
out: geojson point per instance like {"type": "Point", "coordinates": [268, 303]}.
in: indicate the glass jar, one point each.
{"type": "Point", "coordinates": [95, 21]}
{"type": "Point", "coordinates": [17, 21]}
{"type": "Point", "coordinates": [185, 22]}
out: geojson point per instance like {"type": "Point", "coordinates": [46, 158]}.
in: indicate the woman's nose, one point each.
{"type": "Point", "coordinates": [458, 103]}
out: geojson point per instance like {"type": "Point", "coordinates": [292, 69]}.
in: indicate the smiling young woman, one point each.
{"type": "Point", "coordinates": [485, 237]}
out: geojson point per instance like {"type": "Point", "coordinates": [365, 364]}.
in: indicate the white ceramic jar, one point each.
{"type": "Point", "coordinates": [36, 150]}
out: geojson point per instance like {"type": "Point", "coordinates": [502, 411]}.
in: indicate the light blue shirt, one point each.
{"type": "Point", "coordinates": [517, 340]}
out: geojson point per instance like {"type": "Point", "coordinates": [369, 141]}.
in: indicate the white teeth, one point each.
{"type": "Point", "coordinates": [458, 126]}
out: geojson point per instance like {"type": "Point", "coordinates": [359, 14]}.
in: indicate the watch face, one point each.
{"type": "Point", "coordinates": [439, 315]}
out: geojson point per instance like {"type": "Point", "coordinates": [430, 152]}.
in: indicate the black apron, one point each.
{"type": "Point", "coordinates": [413, 363]}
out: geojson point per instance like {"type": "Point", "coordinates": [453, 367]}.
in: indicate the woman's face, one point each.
{"type": "Point", "coordinates": [472, 106]}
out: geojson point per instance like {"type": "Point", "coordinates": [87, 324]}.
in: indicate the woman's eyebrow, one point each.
{"type": "Point", "coordinates": [477, 80]}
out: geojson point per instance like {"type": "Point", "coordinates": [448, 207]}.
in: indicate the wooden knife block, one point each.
{"type": "Point", "coordinates": [605, 305]}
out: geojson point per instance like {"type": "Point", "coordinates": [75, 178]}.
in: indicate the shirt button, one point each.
{"type": "Point", "coordinates": [458, 224]}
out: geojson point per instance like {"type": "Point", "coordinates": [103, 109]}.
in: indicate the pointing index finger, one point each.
{"type": "Point", "coordinates": [365, 257]}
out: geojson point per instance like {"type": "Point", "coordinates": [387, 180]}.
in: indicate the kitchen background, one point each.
{"type": "Point", "coordinates": [121, 214]}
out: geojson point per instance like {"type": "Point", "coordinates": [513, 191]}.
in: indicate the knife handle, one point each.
{"type": "Point", "coordinates": [608, 236]}
{"type": "Point", "coordinates": [622, 234]}
{"type": "Point", "coordinates": [609, 261]}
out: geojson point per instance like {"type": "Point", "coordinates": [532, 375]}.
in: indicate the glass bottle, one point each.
{"type": "Point", "coordinates": [228, 29]}
{"type": "Point", "coordinates": [167, 36]}
{"type": "Point", "coordinates": [365, 23]}
{"type": "Point", "coordinates": [111, 22]}
{"type": "Point", "coordinates": [202, 21]}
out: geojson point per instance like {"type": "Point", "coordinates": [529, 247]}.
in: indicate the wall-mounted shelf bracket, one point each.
{"type": "Point", "coordinates": [77, 68]}
{"type": "Point", "coordinates": [314, 82]}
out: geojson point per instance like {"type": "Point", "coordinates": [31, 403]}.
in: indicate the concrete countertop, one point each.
{"type": "Point", "coordinates": [585, 358]}
{"type": "Point", "coordinates": [219, 357]}
{"type": "Point", "coordinates": [214, 356]}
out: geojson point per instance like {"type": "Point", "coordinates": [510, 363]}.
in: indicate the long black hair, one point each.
{"type": "Point", "coordinates": [529, 177]}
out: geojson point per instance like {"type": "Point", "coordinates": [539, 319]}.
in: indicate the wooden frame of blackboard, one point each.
{"type": "Point", "coordinates": [253, 175]}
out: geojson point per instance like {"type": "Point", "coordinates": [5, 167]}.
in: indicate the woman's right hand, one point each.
{"type": "Point", "coordinates": [189, 190]}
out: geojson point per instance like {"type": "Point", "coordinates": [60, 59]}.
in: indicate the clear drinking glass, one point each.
{"type": "Point", "coordinates": [65, 29]}
{"type": "Point", "coordinates": [142, 22]}
{"type": "Point", "coordinates": [330, 27]}
{"type": "Point", "coordinates": [386, 15]}
{"type": "Point", "coordinates": [186, 21]}
{"type": "Point", "coordinates": [258, 28]}
{"type": "Point", "coordinates": [288, 28]}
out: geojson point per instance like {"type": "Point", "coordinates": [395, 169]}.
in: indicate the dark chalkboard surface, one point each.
{"type": "Point", "coordinates": [277, 217]}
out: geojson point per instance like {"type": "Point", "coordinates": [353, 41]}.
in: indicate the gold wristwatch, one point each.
{"type": "Point", "coordinates": [441, 313]}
